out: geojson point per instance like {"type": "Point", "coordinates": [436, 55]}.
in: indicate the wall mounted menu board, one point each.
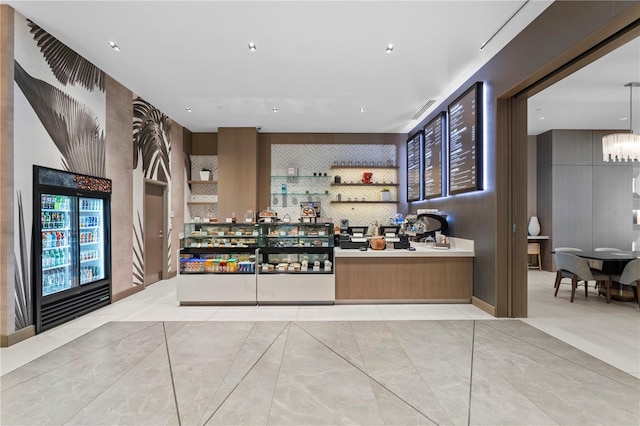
{"type": "Point", "coordinates": [413, 167]}
{"type": "Point", "coordinates": [465, 141]}
{"type": "Point", "coordinates": [433, 135]}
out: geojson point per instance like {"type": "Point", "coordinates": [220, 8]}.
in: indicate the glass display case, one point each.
{"type": "Point", "coordinates": [296, 248]}
{"type": "Point", "coordinates": [217, 262]}
{"type": "Point", "coordinates": [256, 263]}
{"type": "Point", "coordinates": [295, 263]}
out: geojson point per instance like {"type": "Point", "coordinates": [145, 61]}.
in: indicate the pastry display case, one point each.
{"type": "Point", "coordinates": [295, 263]}
{"type": "Point", "coordinates": [217, 263]}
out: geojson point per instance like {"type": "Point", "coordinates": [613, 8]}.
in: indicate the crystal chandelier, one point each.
{"type": "Point", "coordinates": [623, 146]}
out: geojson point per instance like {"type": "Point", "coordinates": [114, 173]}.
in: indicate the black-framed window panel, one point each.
{"type": "Point", "coordinates": [432, 172]}
{"type": "Point", "coordinates": [414, 177]}
{"type": "Point", "coordinates": [465, 141]}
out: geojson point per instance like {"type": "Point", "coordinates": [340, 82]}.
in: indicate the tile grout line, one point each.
{"type": "Point", "coordinates": [124, 373]}
{"type": "Point", "coordinates": [173, 384]}
{"type": "Point", "coordinates": [562, 357]}
{"type": "Point", "coordinates": [245, 375]}
{"type": "Point", "coordinates": [71, 360]}
{"type": "Point", "coordinates": [473, 346]}
{"type": "Point", "coordinates": [367, 374]}
{"type": "Point", "coordinates": [416, 369]}
{"type": "Point", "coordinates": [275, 387]}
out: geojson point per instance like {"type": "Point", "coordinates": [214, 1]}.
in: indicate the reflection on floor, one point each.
{"type": "Point", "coordinates": [310, 372]}
{"type": "Point", "coordinates": [146, 360]}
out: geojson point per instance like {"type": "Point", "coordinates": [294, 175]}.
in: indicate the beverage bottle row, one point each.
{"type": "Point", "coordinates": [55, 280]}
{"type": "Point", "coordinates": [89, 237]}
{"type": "Point", "coordinates": [88, 255]}
{"type": "Point", "coordinates": [91, 204]}
{"type": "Point", "coordinates": [89, 221]}
{"type": "Point", "coordinates": [53, 220]}
{"type": "Point", "coordinates": [55, 202]}
{"type": "Point", "coordinates": [55, 257]}
{"type": "Point", "coordinates": [88, 273]}
{"type": "Point", "coordinates": [52, 239]}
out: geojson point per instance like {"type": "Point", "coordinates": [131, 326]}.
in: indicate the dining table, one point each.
{"type": "Point", "coordinates": [613, 262]}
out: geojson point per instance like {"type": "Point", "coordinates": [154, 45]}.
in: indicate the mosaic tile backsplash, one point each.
{"type": "Point", "coordinates": [315, 175]}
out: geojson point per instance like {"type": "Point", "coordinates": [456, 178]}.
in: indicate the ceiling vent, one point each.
{"type": "Point", "coordinates": [423, 109]}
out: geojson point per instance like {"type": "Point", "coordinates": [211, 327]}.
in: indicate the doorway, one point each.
{"type": "Point", "coordinates": [515, 114]}
{"type": "Point", "coordinates": [155, 232]}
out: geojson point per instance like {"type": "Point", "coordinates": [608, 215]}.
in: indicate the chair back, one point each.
{"type": "Point", "coordinates": [630, 273]}
{"type": "Point", "coordinates": [573, 264]}
{"type": "Point", "coordinates": [566, 249]}
{"type": "Point", "coordinates": [606, 249]}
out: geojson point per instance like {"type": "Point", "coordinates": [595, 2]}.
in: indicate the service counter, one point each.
{"type": "Point", "coordinates": [426, 275]}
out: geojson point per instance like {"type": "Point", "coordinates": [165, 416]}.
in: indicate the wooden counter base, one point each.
{"type": "Point", "coordinates": [419, 278]}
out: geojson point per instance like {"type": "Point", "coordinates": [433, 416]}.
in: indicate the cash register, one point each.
{"type": "Point", "coordinates": [355, 238]}
{"type": "Point", "coordinates": [391, 234]}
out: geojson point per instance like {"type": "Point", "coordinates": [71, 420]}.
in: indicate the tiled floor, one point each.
{"type": "Point", "coordinates": [147, 361]}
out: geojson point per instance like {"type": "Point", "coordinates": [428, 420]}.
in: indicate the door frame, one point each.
{"type": "Point", "coordinates": [511, 277]}
{"type": "Point", "coordinates": [165, 226]}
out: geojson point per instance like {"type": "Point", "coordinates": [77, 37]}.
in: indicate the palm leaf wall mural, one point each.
{"type": "Point", "coordinates": [73, 127]}
{"type": "Point", "coordinates": [138, 252]}
{"type": "Point", "coordinates": [151, 130]}
{"type": "Point", "coordinates": [22, 287]}
{"type": "Point", "coordinates": [67, 66]}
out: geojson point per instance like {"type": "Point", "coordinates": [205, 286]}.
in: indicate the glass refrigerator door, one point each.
{"type": "Point", "coordinates": [91, 234]}
{"type": "Point", "coordinates": [58, 271]}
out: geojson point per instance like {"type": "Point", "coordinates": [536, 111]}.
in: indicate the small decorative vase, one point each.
{"type": "Point", "coordinates": [204, 174]}
{"type": "Point", "coordinates": [385, 195]}
{"type": "Point", "coordinates": [534, 226]}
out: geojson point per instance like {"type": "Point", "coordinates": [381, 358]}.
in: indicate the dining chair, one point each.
{"type": "Point", "coordinates": [571, 266]}
{"type": "Point", "coordinates": [630, 276]}
{"type": "Point", "coordinates": [558, 276]}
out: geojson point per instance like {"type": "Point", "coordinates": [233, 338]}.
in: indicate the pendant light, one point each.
{"type": "Point", "coordinates": [623, 146]}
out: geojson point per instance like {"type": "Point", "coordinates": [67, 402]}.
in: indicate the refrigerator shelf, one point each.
{"type": "Point", "coordinates": [56, 210]}
{"type": "Point", "coordinates": [55, 247]}
{"type": "Point", "coordinates": [48, 268]}
{"type": "Point", "coordinates": [56, 229]}
{"type": "Point", "coordinates": [92, 243]}
{"type": "Point", "coordinates": [90, 260]}
{"type": "Point", "coordinates": [90, 227]}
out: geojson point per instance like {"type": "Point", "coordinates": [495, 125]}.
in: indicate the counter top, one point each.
{"type": "Point", "coordinates": [459, 248]}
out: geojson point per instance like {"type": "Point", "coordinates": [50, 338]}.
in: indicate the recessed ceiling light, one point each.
{"type": "Point", "coordinates": [187, 109]}
{"type": "Point", "coordinates": [252, 47]}
{"type": "Point", "coordinates": [624, 118]}
{"type": "Point", "coordinates": [389, 48]}
{"type": "Point", "coordinates": [541, 118]}
{"type": "Point", "coordinates": [274, 109]}
{"type": "Point", "coordinates": [114, 46]}
{"type": "Point", "coordinates": [362, 109]}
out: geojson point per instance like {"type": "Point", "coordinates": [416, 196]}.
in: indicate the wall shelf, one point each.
{"type": "Point", "coordinates": [298, 176]}
{"type": "Point", "coordinates": [364, 202]}
{"type": "Point", "coordinates": [201, 203]}
{"type": "Point", "coordinates": [364, 184]}
{"type": "Point", "coordinates": [365, 167]}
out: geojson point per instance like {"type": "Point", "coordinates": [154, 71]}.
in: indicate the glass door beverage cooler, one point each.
{"type": "Point", "coordinates": [72, 267]}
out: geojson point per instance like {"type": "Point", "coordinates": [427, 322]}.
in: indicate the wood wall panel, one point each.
{"type": "Point", "coordinates": [404, 278]}
{"type": "Point", "coordinates": [204, 144]}
{"type": "Point", "coordinates": [7, 271]}
{"type": "Point", "coordinates": [119, 167]}
{"type": "Point", "coordinates": [237, 170]}
{"type": "Point", "coordinates": [612, 206]}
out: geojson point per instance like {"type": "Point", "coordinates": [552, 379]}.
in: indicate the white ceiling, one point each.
{"type": "Point", "coordinates": [318, 62]}
{"type": "Point", "coordinates": [592, 98]}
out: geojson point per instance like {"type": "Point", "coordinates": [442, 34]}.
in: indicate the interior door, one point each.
{"type": "Point", "coordinates": [154, 233]}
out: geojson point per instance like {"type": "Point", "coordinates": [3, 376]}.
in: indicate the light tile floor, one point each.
{"type": "Point", "coordinates": [145, 360]}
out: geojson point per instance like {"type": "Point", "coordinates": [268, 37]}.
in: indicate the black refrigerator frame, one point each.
{"type": "Point", "coordinates": [58, 308]}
